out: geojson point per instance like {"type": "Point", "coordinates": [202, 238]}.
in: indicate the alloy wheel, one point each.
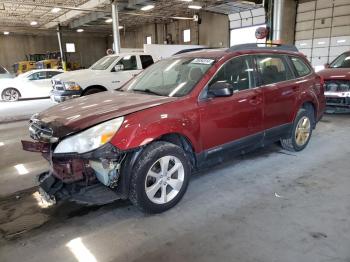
{"type": "Point", "coordinates": [10, 95]}
{"type": "Point", "coordinates": [303, 130]}
{"type": "Point", "coordinates": [164, 179]}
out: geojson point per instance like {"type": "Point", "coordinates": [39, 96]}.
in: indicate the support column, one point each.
{"type": "Point", "coordinates": [63, 58]}
{"type": "Point", "coordinates": [115, 23]}
{"type": "Point", "coordinates": [281, 20]}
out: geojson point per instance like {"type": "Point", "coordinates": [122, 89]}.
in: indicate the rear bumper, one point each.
{"type": "Point", "coordinates": [59, 96]}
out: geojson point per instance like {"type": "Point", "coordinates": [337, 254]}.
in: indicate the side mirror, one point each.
{"type": "Point", "coordinates": [220, 89]}
{"type": "Point", "coordinates": [118, 68]}
{"type": "Point", "coordinates": [326, 65]}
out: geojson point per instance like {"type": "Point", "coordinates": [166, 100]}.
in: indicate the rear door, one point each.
{"type": "Point", "coordinates": [226, 120]}
{"type": "Point", "coordinates": [279, 88]}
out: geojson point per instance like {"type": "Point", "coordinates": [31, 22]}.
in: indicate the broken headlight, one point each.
{"type": "Point", "coordinates": [91, 138]}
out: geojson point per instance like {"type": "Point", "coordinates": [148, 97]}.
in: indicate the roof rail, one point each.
{"type": "Point", "coordinates": [262, 46]}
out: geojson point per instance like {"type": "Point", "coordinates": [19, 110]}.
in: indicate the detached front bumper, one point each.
{"type": "Point", "coordinates": [59, 96]}
{"type": "Point", "coordinates": [90, 178]}
{"type": "Point", "coordinates": [337, 104]}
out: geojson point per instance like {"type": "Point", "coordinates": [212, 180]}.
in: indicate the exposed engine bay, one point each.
{"type": "Point", "coordinates": [90, 178]}
{"type": "Point", "coordinates": [337, 94]}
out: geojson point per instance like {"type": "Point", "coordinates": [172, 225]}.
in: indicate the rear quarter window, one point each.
{"type": "Point", "coordinates": [301, 68]}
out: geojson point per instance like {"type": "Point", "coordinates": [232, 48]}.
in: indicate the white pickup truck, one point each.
{"type": "Point", "coordinates": [108, 73]}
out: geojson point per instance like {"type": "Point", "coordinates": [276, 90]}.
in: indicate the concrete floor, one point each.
{"type": "Point", "coordinates": [22, 109]}
{"type": "Point", "coordinates": [270, 205]}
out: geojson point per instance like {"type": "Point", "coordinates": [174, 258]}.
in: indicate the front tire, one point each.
{"type": "Point", "coordinates": [10, 95]}
{"type": "Point", "coordinates": [301, 132]}
{"type": "Point", "coordinates": [92, 91]}
{"type": "Point", "coordinates": [160, 177]}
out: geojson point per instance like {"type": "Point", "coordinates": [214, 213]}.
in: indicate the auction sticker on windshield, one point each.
{"type": "Point", "coordinates": [202, 61]}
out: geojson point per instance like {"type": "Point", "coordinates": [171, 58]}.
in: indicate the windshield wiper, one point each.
{"type": "Point", "coordinates": [147, 91]}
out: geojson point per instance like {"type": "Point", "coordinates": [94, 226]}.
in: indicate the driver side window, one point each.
{"type": "Point", "coordinates": [37, 76]}
{"type": "Point", "coordinates": [128, 63]}
{"type": "Point", "coordinates": [238, 72]}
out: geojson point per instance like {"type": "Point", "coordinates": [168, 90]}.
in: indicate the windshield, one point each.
{"type": "Point", "coordinates": [171, 77]}
{"type": "Point", "coordinates": [104, 63]}
{"type": "Point", "coordinates": [342, 61]}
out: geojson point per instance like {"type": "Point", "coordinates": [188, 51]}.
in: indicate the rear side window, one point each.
{"type": "Point", "coordinates": [146, 61]}
{"type": "Point", "coordinates": [272, 69]}
{"type": "Point", "coordinates": [128, 62]}
{"type": "Point", "coordinates": [300, 67]}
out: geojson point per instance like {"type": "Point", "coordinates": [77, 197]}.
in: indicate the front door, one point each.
{"type": "Point", "coordinates": [128, 68]}
{"type": "Point", "coordinates": [237, 118]}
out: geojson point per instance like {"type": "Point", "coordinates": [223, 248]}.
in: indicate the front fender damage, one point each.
{"type": "Point", "coordinates": [89, 178]}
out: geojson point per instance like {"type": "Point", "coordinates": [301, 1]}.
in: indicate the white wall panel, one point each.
{"type": "Point", "coordinates": [323, 29]}
{"type": "Point", "coordinates": [236, 24]}
{"type": "Point", "coordinates": [246, 14]}
{"type": "Point", "coordinates": [247, 22]}
{"type": "Point", "coordinates": [305, 25]}
{"type": "Point", "coordinates": [321, 42]}
{"type": "Point", "coordinates": [340, 41]}
{"type": "Point", "coordinates": [306, 16]}
{"type": "Point", "coordinates": [258, 12]}
{"type": "Point", "coordinates": [307, 52]}
{"type": "Point", "coordinates": [341, 20]}
{"type": "Point", "coordinates": [319, 61]}
{"type": "Point", "coordinates": [342, 10]}
{"type": "Point", "coordinates": [323, 23]}
{"type": "Point", "coordinates": [302, 35]}
{"type": "Point", "coordinates": [323, 4]}
{"type": "Point", "coordinates": [337, 50]}
{"type": "Point", "coordinates": [308, 6]}
{"type": "Point", "coordinates": [258, 20]}
{"type": "Point", "coordinates": [341, 30]}
{"type": "Point", "coordinates": [324, 32]}
{"type": "Point", "coordinates": [323, 13]}
{"type": "Point", "coordinates": [303, 44]}
{"type": "Point", "coordinates": [320, 52]}
{"type": "Point", "coordinates": [234, 16]}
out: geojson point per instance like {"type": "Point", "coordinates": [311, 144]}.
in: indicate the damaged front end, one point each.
{"type": "Point", "coordinates": [337, 93]}
{"type": "Point", "coordinates": [86, 177]}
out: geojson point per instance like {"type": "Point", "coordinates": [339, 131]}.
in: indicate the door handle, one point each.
{"type": "Point", "coordinates": [255, 100]}
{"type": "Point", "coordinates": [116, 81]}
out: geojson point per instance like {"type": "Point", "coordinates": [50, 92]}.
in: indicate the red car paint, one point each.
{"type": "Point", "coordinates": [207, 124]}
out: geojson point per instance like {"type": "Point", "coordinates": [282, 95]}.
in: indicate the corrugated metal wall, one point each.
{"type": "Point", "coordinates": [323, 29]}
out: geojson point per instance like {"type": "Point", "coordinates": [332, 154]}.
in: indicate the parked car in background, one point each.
{"type": "Point", "coordinates": [4, 73]}
{"type": "Point", "coordinates": [32, 84]}
{"type": "Point", "coordinates": [182, 114]}
{"type": "Point", "coordinates": [337, 84]}
{"type": "Point", "coordinates": [108, 73]}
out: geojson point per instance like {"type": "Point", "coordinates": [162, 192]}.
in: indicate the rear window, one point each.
{"type": "Point", "coordinates": [301, 68]}
{"type": "Point", "coordinates": [272, 69]}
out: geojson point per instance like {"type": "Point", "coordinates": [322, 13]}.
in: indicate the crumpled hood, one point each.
{"type": "Point", "coordinates": [335, 73]}
{"type": "Point", "coordinates": [81, 113]}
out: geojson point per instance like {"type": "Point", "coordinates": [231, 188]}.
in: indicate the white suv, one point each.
{"type": "Point", "coordinates": [108, 73]}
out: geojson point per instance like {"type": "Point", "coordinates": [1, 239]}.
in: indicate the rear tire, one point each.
{"type": "Point", "coordinates": [160, 177]}
{"type": "Point", "coordinates": [301, 132]}
{"type": "Point", "coordinates": [10, 95]}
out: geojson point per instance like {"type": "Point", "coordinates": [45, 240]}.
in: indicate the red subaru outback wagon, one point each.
{"type": "Point", "coordinates": [181, 114]}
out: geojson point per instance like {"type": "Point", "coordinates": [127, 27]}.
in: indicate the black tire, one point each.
{"type": "Point", "coordinates": [146, 161]}
{"type": "Point", "coordinates": [92, 91]}
{"type": "Point", "coordinates": [10, 95]}
{"type": "Point", "coordinates": [290, 143]}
